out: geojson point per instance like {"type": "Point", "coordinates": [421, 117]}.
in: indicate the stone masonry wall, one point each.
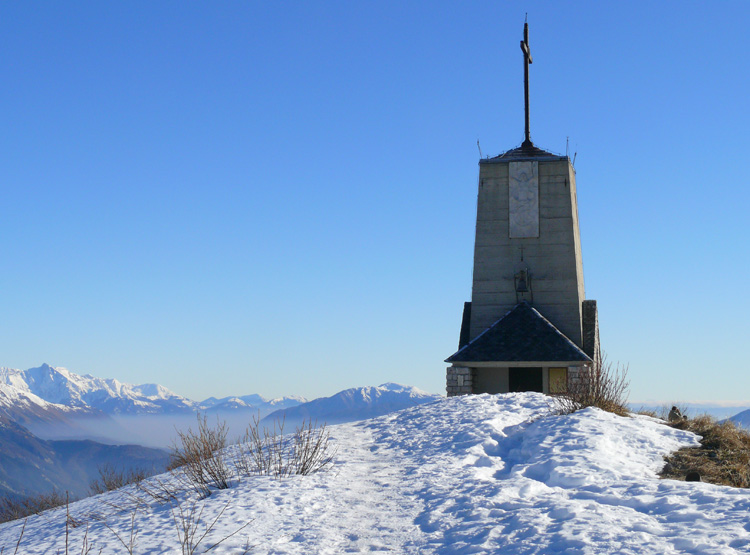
{"type": "Point", "coordinates": [458, 381]}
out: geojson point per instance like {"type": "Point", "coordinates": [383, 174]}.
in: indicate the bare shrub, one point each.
{"type": "Point", "coordinates": [18, 543]}
{"type": "Point", "coordinates": [129, 541]}
{"type": "Point", "coordinates": [311, 449]}
{"type": "Point", "coordinates": [261, 451]}
{"type": "Point", "coordinates": [601, 385]}
{"type": "Point", "coordinates": [112, 478]}
{"type": "Point", "coordinates": [187, 521]}
{"type": "Point", "coordinates": [160, 491]}
{"type": "Point", "coordinates": [86, 547]}
{"type": "Point", "coordinates": [200, 455]}
{"type": "Point", "coordinates": [13, 508]}
{"type": "Point", "coordinates": [269, 452]}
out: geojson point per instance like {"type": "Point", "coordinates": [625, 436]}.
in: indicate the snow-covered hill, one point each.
{"type": "Point", "coordinates": [62, 387]}
{"type": "Point", "coordinates": [357, 403]}
{"type": "Point", "coordinates": [478, 474]}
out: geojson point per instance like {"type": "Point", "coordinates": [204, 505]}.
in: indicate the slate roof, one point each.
{"type": "Point", "coordinates": [522, 335]}
{"type": "Point", "coordinates": [526, 150]}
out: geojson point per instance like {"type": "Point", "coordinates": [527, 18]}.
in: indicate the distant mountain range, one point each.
{"type": "Point", "coordinates": [24, 407]}
{"type": "Point", "coordinates": [61, 387]}
{"type": "Point", "coordinates": [30, 465]}
{"type": "Point", "coordinates": [742, 419]}
{"type": "Point", "coordinates": [50, 415]}
{"type": "Point", "coordinates": [249, 403]}
{"type": "Point", "coordinates": [53, 392]}
{"type": "Point", "coordinates": [358, 403]}
{"type": "Point", "coordinates": [717, 410]}
{"type": "Point", "coordinates": [54, 402]}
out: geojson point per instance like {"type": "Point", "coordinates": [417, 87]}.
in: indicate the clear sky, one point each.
{"type": "Point", "coordinates": [280, 197]}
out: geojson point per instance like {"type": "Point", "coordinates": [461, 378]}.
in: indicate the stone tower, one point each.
{"type": "Point", "coordinates": [527, 327]}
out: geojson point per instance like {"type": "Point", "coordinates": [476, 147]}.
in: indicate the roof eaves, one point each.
{"type": "Point", "coordinates": [451, 358]}
{"type": "Point", "coordinates": [554, 327]}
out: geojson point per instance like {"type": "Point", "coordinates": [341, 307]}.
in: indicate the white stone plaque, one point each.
{"type": "Point", "coordinates": [524, 199]}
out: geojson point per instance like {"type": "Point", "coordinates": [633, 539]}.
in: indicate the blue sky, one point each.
{"type": "Point", "coordinates": [279, 198]}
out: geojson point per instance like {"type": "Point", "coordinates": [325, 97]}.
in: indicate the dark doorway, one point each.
{"type": "Point", "coordinates": [525, 379]}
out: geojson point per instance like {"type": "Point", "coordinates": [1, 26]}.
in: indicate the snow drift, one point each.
{"type": "Point", "coordinates": [476, 474]}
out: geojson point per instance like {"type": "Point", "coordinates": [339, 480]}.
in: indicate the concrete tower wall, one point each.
{"type": "Point", "coordinates": [553, 259]}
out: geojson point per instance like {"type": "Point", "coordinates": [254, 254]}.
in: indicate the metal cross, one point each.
{"type": "Point", "coordinates": [526, 61]}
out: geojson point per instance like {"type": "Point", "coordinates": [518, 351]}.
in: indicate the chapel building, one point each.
{"type": "Point", "coordinates": [528, 326]}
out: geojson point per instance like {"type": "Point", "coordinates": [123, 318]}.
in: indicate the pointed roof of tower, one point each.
{"type": "Point", "coordinates": [527, 151]}
{"type": "Point", "coordinates": [522, 335]}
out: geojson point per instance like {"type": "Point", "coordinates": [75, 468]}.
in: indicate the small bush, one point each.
{"type": "Point", "coordinates": [13, 508]}
{"type": "Point", "coordinates": [188, 519]}
{"type": "Point", "coordinates": [270, 453]}
{"type": "Point", "coordinates": [200, 455]}
{"type": "Point", "coordinates": [723, 457]}
{"type": "Point", "coordinates": [602, 385]}
{"type": "Point", "coordinates": [160, 491]}
{"type": "Point", "coordinates": [310, 452]}
{"type": "Point", "coordinates": [112, 478]}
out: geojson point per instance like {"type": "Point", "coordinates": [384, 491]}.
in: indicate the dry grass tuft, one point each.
{"type": "Point", "coordinates": [723, 457]}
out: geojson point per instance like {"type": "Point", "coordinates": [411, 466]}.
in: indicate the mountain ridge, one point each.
{"type": "Point", "coordinates": [32, 466]}
{"type": "Point", "coordinates": [57, 390]}
{"type": "Point", "coordinates": [356, 403]}
{"type": "Point", "coordinates": [60, 386]}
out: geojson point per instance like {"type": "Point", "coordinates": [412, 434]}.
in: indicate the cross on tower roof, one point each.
{"type": "Point", "coordinates": [526, 61]}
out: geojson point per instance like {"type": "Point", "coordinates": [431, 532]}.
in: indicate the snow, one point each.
{"type": "Point", "coordinates": [476, 474]}
{"type": "Point", "coordinates": [257, 403]}
{"type": "Point", "coordinates": [357, 403]}
{"type": "Point", "coordinates": [60, 386]}
{"type": "Point", "coordinates": [12, 396]}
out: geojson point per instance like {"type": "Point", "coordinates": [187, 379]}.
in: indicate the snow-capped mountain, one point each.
{"type": "Point", "coordinates": [357, 403]}
{"type": "Point", "coordinates": [242, 401]}
{"type": "Point", "coordinates": [55, 403]}
{"type": "Point", "coordinates": [28, 409]}
{"type": "Point", "coordinates": [496, 474]}
{"type": "Point", "coordinates": [257, 404]}
{"type": "Point", "coordinates": [62, 387]}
